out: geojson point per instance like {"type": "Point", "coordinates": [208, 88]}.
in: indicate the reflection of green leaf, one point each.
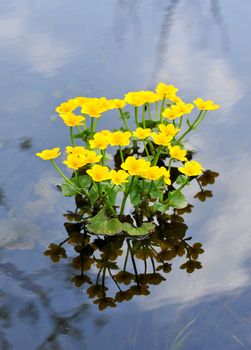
{"type": "Point", "coordinates": [177, 200]}
{"type": "Point", "coordinates": [99, 224]}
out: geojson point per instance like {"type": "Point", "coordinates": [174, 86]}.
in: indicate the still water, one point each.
{"type": "Point", "coordinates": [52, 50]}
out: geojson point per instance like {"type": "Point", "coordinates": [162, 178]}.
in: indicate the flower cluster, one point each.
{"type": "Point", "coordinates": [142, 175]}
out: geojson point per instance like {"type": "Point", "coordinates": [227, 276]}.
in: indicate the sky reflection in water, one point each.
{"type": "Point", "coordinates": [53, 50]}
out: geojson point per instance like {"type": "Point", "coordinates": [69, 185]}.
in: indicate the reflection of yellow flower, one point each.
{"type": "Point", "coordinates": [74, 161]}
{"type": "Point", "coordinates": [168, 130]}
{"type": "Point", "coordinates": [99, 141]}
{"type": "Point", "coordinates": [152, 173]}
{"type": "Point", "coordinates": [135, 166]}
{"type": "Point", "coordinates": [205, 105]}
{"type": "Point", "coordinates": [166, 175]}
{"type": "Point", "coordinates": [119, 177]}
{"type": "Point", "coordinates": [141, 133]}
{"type": "Point", "coordinates": [171, 113]}
{"type": "Point", "coordinates": [161, 139]}
{"type": "Point", "coordinates": [191, 168]}
{"type": "Point", "coordinates": [99, 173]}
{"type": "Point", "coordinates": [70, 119]}
{"type": "Point", "coordinates": [119, 138]}
{"type": "Point", "coordinates": [49, 154]}
{"type": "Point", "coordinates": [177, 153]}
{"type": "Point", "coordinates": [167, 91]}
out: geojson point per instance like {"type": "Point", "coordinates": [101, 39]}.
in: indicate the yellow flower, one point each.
{"type": "Point", "coordinates": [92, 157]}
{"type": "Point", "coordinates": [49, 154]}
{"type": "Point", "coordinates": [168, 130]}
{"type": "Point", "coordinates": [77, 150]}
{"type": "Point", "coordinates": [166, 175]}
{"type": "Point", "coordinates": [161, 139]}
{"type": "Point", "coordinates": [105, 132]}
{"type": "Point", "coordinates": [99, 173]}
{"type": "Point", "coordinates": [119, 138]}
{"type": "Point", "coordinates": [141, 133]}
{"type": "Point", "coordinates": [74, 161]}
{"type": "Point", "coordinates": [66, 107]}
{"type": "Point", "coordinates": [151, 97]}
{"type": "Point", "coordinates": [183, 108]}
{"type": "Point", "coordinates": [70, 119]}
{"type": "Point", "coordinates": [152, 173]}
{"type": "Point", "coordinates": [171, 113]}
{"type": "Point", "coordinates": [94, 107]}
{"type": "Point", "coordinates": [99, 141]}
{"type": "Point", "coordinates": [191, 168]}
{"type": "Point", "coordinates": [135, 166]}
{"type": "Point", "coordinates": [205, 105]}
{"type": "Point", "coordinates": [117, 103]}
{"type": "Point", "coordinates": [136, 98]}
{"type": "Point", "coordinates": [177, 153]}
{"type": "Point", "coordinates": [167, 91]}
{"type": "Point", "coordinates": [119, 177]}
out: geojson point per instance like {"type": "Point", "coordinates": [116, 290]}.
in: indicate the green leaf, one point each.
{"type": "Point", "coordinates": [99, 224]}
{"type": "Point", "coordinates": [127, 115]}
{"type": "Point", "coordinates": [135, 196]}
{"type": "Point", "coordinates": [93, 195]}
{"type": "Point", "coordinates": [68, 189]}
{"type": "Point", "coordinates": [84, 181]}
{"type": "Point", "coordinates": [160, 207]}
{"type": "Point", "coordinates": [177, 200]}
{"type": "Point", "coordinates": [181, 179]}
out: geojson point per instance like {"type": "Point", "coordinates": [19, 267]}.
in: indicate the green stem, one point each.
{"type": "Point", "coordinates": [178, 190]}
{"type": "Point", "coordinates": [143, 116]}
{"type": "Point", "coordinates": [156, 158]}
{"type": "Point", "coordinates": [72, 138]}
{"type": "Point", "coordinates": [103, 156]}
{"type": "Point", "coordinates": [156, 111]}
{"type": "Point", "coordinates": [180, 123]}
{"type": "Point", "coordinates": [121, 154]}
{"type": "Point", "coordinates": [124, 118]}
{"type": "Point", "coordinates": [148, 155]}
{"type": "Point", "coordinates": [149, 111]}
{"type": "Point", "coordinates": [136, 112]}
{"type": "Point", "coordinates": [162, 107]}
{"type": "Point", "coordinates": [92, 127]}
{"type": "Point", "coordinates": [125, 196]}
{"type": "Point", "coordinates": [195, 123]}
{"type": "Point", "coordinates": [170, 164]}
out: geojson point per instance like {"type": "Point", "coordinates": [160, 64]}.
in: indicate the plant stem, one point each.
{"type": "Point", "coordinates": [136, 116]}
{"type": "Point", "coordinates": [124, 118]}
{"type": "Point", "coordinates": [125, 196]}
{"type": "Point", "coordinates": [193, 126]}
{"type": "Point", "coordinates": [162, 107]}
{"type": "Point", "coordinates": [121, 155]}
{"type": "Point", "coordinates": [147, 153]}
{"type": "Point", "coordinates": [92, 127]}
{"type": "Point", "coordinates": [133, 261]}
{"type": "Point", "coordinates": [156, 111]}
{"type": "Point", "coordinates": [61, 173]}
{"type": "Point", "coordinates": [156, 158]}
{"type": "Point", "coordinates": [149, 111]}
{"type": "Point", "coordinates": [143, 116]}
{"type": "Point", "coordinates": [178, 190]}
{"type": "Point", "coordinates": [72, 138]}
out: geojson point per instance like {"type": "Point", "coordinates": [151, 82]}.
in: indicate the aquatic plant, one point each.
{"type": "Point", "coordinates": [152, 164]}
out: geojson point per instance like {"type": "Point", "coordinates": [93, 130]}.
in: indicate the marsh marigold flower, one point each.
{"type": "Point", "coordinates": [168, 130]}
{"type": "Point", "coordinates": [77, 150]}
{"type": "Point", "coordinates": [205, 105]}
{"type": "Point", "coordinates": [161, 139]}
{"type": "Point", "coordinates": [171, 113]}
{"type": "Point", "coordinates": [49, 154]}
{"type": "Point", "coordinates": [117, 103]}
{"type": "Point", "coordinates": [177, 153]}
{"type": "Point", "coordinates": [183, 108]}
{"type": "Point", "coordinates": [135, 166]}
{"type": "Point", "coordinates": [99, 141]}
{"type": "Point", "coordinates": [75, 162]}
{"type": "Point", "coordinates": [167, 91]}
{"type": "Point", "coordinates": [136, 99]}
{"type": "Point", "coordinates": [141, 133]}
{"type": "Point", "coordinates": [166, 175]}
{"type": "Point", "coordinates": [151, 97]}
{"type": "Point", "coordinates": [92, 157]}
{"type": "Point", "coordinates": [152, 173]}
{"type": "Point", "coordinates": [70, 119]}
{"type": "Point", "coordinates": [66, 107]}
{"type": "Point", "coordinates": [119, 177]}
{"type": "Point", "coordinates": [94, 107]}
{"type": "Point", "coordinates": [119, 138]}
{"type": "Point", "coordinates": [99, 173]}
{"type": "Point", "coordinates": [191, 168]}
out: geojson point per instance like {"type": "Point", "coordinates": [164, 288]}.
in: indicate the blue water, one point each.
{"type": "Point", "coordinates": [54, 50]}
